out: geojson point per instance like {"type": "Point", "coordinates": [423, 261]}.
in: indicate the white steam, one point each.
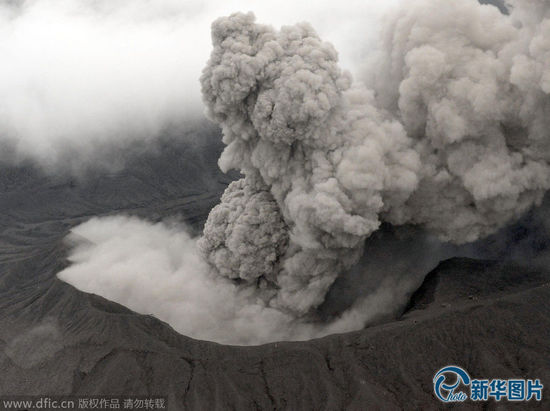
{"type": "Point", "coordinates": [81, 76]}
{"type": "Point", "coordinates": [448, 130]}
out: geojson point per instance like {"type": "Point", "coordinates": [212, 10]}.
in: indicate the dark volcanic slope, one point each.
{"type": "Point", "coordinates": [492, 319]}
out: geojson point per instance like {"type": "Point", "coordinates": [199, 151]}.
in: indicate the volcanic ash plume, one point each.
{"type": "Point", "coordinates": [448, 132]}
{"type": "Point", "coordinates": [451, 133]}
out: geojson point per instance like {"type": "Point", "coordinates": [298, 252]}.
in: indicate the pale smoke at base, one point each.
{"type": "Point", "coordinates": [156, 269]}
{"type": "Point", "coordinates": [449, 133]}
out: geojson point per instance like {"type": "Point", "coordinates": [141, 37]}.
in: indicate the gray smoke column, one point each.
{"type": "Point", "coordinates": [450, 131]}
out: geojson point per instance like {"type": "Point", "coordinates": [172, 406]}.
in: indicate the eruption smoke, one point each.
{"type": "Point", "coordinates": [447, 130]}
{"type": "Point", "coordinates": [453, 136]}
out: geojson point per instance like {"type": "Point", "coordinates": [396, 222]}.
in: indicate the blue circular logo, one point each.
{"type": "Point", "coordinates": [446, 391]}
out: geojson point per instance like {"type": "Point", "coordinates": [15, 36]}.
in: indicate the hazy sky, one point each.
{"type": "Point", "coordinates": [79, 73]}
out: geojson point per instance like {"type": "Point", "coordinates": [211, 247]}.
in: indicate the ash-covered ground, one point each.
{"type": "Point", "coordinates": [490, 317]}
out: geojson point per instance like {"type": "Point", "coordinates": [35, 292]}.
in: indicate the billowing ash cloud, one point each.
{"type": "Point", "coordinates": [452, 136]}
{"type": "Point", "coordinates": [293, 126]}
{"type": "Point", "coordinates": [246, 234]}
{"type": "Point", "coordinates": [447, 131]}
{"type": "Point", "coordinates": [471, 88]}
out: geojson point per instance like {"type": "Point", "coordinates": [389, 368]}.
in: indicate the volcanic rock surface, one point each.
{"type": "Point", "coordinates": [491, 318]}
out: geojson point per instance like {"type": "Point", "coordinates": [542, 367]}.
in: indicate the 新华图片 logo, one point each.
{"type": "Point", "coordinates": [453, 384]}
